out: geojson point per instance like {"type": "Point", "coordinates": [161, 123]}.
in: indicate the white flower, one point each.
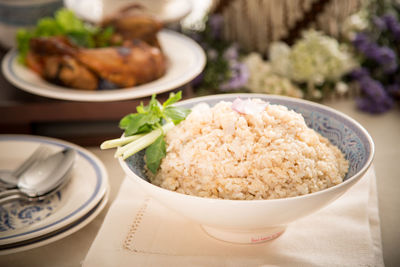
{"type": "Point", "coordinates": [355, 23]}
{"type": "Point", "coordinates": [314, 59]}
{"type": "Point", "coordinates": [263, 80]}
{"type": "Point", "coordinates": [279, 53]}
{"type": "Point", "coordinates": [341, 88]}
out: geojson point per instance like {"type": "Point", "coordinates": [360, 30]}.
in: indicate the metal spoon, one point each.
{"type": "Point", "coordinates": [44, 176]}
{"type": "Point", "coordinates": [18, 195]}
{"type": "Point", "coordinates": [9, 178]}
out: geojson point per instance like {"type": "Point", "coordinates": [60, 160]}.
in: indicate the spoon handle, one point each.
{"type": "Point", "coordinates": [4, 186]}
{"type": "Point", "coordinates": [12, 197]}
{"type": "Point", "coordinates": [9, 179]}
{"type": "Point", "coordinates": [9, 192]}
{"type": "Point", "coordinates": [38, 154]}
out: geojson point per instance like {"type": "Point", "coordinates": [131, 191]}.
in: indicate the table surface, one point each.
{"type": "Point", "coordinates": [384, 129]}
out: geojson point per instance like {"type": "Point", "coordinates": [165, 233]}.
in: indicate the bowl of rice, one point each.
{"type": "Point", "coordinates": [244, 166]}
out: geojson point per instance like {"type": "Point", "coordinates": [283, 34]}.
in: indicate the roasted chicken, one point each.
{"type": "Point", "coordinates": [132, 64]}
{"type": "Point", "coordinates": [128, 65]}
{"type": "Point", "coordinates": [136, 60]}
{"type": "Point", "coordinates": [68, 71]}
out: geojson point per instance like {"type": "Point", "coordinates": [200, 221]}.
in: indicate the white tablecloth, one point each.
{"type": "Point", "coordinates": [138, 231]}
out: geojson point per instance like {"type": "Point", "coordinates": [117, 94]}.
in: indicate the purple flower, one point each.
{"type": "Point", "coordinates": [368, 105]}
{"type": "Point", "coordinates": [232, 53]}
{"type": "Point", "coordinates": [392, 24]}
{"type": "Point", "coordinates": [239, 77]}
{"type": "Point", "coordinates": [387, 58]}
{"type": "Point", "coordinates": [389, 20]}
{"type": "Point", "coordinates": [362, 42]}
{"type": "Point", "coordinates": [372, 51]}
{"type": "Point", "coordinates": [359, 73]}
{"type": "Point", "coordinates": [215, 22]}
{"type": "Point", "coordinates": [383, 55]}
{"type": "Point", "coordinates": [379, 23]}
{"type": "Point", "coordinates": [372, 88]}
{"type": "Point", "coordinates": [376, 99]}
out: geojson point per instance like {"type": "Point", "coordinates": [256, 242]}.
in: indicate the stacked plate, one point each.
{"type": "Point", "coordinates": [28, 225]}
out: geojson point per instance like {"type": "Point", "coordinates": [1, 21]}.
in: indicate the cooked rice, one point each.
{"type": "Point", "coordinates": [219, 153]}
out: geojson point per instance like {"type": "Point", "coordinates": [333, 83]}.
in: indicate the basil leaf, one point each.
{"type": "Point", "coordinates": [155, 153]}
{"type": "Point", "coordinates": [154, 104]}
{"type": "Point", "coordinates": [176, 114]}
{"type": "Point", "coordinates": [173, 98]}
{"type": "Point", "coordinates": [153, 121]}
{"type": "Point", "coordinates": [146, 128]}
{"type": "Point", "coordinates": [103, 36]}
{"type": "Point", "coordinates": [133, 122]}
{"type": "Point", "coordinates": [124, 122]}
{"type": "Point", "coordinates": [142, 108]}
{"type": "Point", "coordinates": [81, 39]}
{"type": "Point", "coordinates": [69, 22]}
{"type": "Point", "coordinates": [47, 27]}
{"type": "Point", "coordinates": [23, 37]}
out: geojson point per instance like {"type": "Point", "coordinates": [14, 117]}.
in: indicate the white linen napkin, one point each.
{"type": "Point", "coordinates": [138, 231]}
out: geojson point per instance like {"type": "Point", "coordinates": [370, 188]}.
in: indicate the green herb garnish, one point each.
{"type": "Point", "coordinates": [146, 129]}
{"type": "Point", "coordinates": [64, 23]}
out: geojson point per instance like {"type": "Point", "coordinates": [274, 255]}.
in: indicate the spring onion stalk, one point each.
{"type": "Point", "coordinates": [120, 141]}
{"type": "Point", "coordinates": [143, 142]}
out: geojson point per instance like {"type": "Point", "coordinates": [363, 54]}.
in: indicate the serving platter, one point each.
{"type": "Point", "coordinates": [185, 59]}
{"type": "Point", "coordinates": [23, 225]}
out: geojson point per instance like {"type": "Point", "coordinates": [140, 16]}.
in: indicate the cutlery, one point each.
{"type": "Point", "coordinates": [43, 177]}
{"type": "Point", "coordinates": [18, 195]}
{"type": "Point", "coordinates": [9, 178]}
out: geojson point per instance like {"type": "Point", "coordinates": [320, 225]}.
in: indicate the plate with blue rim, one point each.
{"type": "Point", "coordinates": [24, 225]}
{"type": "Point", "coordinates": [185, 61]}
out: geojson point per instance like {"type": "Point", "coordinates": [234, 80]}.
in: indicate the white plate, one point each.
{"type": "Point", "coordinates": [89, 183]}
{"type": "Point", "coordinates": [186, 59]}
{"type": "Point", "coordinates": [166, 11]}
{"type": "Point", "coordinates": [60, 233]}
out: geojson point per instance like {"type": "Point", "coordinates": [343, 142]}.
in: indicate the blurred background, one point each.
{"type": "Point", "coordinates": [310, 49]}
{"type": "Point", "coordinates": [317, 50]}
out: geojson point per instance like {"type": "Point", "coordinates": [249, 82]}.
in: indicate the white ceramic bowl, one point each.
{"type": "Point", "coordinates": [253, 221]}
{"type": "Point", "coordinates": [16, 14]}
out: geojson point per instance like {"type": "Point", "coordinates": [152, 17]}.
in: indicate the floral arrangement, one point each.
{"type": "Point", "coordinates": [316, 65]}
{"type": "Point", "coordinates": [263, 79]}
{"type": "Point", "coordinates": [376, 40]}
{"type": "Point", "coordinates": [315, 62]}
